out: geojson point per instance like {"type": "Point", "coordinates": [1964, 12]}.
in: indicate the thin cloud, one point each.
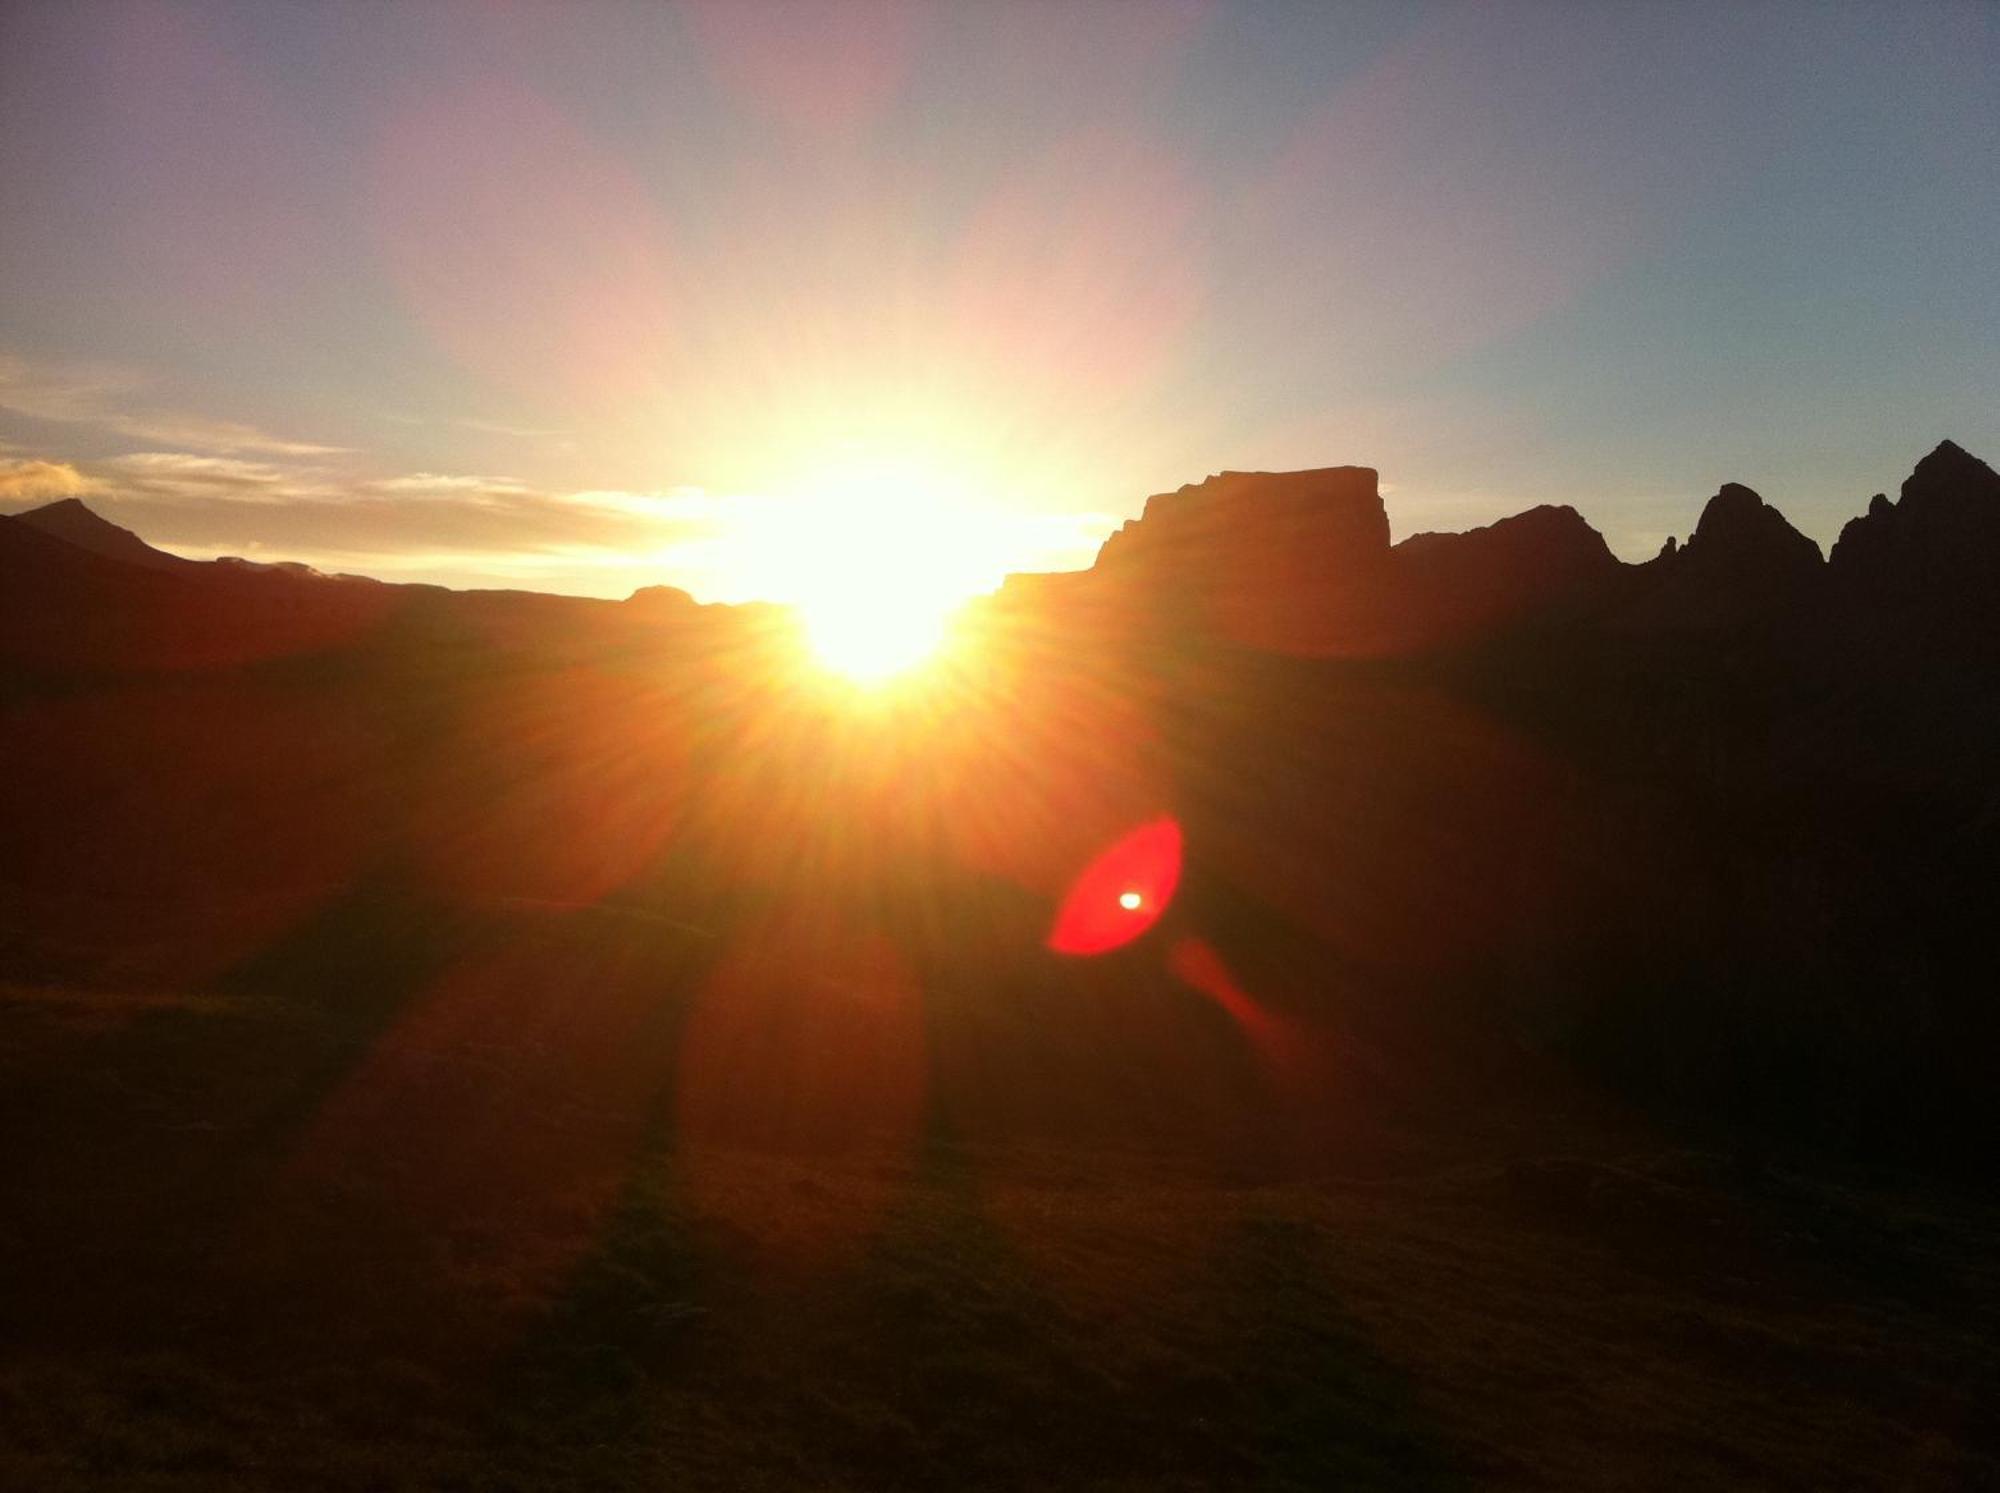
{"type": "Point", "coordinates": [211, 435]}
{"type": "Point", "coordinates": [492, 491]}
{"type": "Point", "coordinates": [680, 504]}
{"type": "Point", "coordinates": [103, 397]}
{"type": "Point", "coordinates": [519, 432]}
{"type": "Point", "coordinates": [176, 476]}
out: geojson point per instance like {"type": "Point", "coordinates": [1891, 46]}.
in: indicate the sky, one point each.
{"type": "Point", "coordinates": [590, 296]}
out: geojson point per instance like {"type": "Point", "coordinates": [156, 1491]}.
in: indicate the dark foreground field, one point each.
{"type": "Point", "coordinates": [246, 1241]}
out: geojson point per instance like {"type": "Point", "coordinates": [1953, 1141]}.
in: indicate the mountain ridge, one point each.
{"type": "Point", "coordinates": [1303, 562]}
{"type": "Point", "coordinates": [1719, 824]}
{"type": "Point", "coordinates": [75, 522]}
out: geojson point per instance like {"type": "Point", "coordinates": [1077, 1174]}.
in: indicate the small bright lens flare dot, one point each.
{"type": "Point", "coordinates": [1130, 901]}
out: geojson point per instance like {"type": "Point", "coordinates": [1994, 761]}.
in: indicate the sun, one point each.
{"type": "Point", "coordinates": [881, 555]}
{"type": "Point", "coordinates": [872, 638]}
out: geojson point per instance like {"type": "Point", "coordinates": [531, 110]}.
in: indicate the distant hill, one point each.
{"type": "Point", "coordinates": [73, 523]}
{"type": "Point", "coordinates": [77, 591]}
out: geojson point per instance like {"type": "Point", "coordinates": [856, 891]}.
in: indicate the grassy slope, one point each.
{"type": "Point", "coordinates": [215, 1273]}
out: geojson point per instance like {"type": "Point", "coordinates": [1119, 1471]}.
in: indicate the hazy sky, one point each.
{"type": "Point", "coordinates": [587, 296]}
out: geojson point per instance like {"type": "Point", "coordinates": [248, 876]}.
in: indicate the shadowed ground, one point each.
{"type": "Point", "coordinates": [1541, 1295]}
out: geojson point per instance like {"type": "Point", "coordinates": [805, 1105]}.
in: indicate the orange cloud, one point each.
{"type": "Point", "coordinates": [35, 478]}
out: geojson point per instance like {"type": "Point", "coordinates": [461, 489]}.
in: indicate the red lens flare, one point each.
{"type": "Point", "coordinates": [1122, 893]}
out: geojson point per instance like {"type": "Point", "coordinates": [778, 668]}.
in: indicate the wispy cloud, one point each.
{"type": "Point", "coordinates": [489, 491]}
{"type": "Point", "coordinates": [177, 476]}
{"type": "Point", "coordinates": [678, 505]}
{"type": "Point", "coordinates": [519, 432]}
{"type": "Point", "coordinates": [112, 399]}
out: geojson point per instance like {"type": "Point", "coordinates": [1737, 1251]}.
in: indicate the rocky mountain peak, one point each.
{"type": "Point", "coordinates": [1951, 477]}
{"type": "Point", "coordinates": [1934, 551]}
{"type": "Point", "coordinates": [1739, 530]}
{"type": "Point", "coordinates": [75, 523]}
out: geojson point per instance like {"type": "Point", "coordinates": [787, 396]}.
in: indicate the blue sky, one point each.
{"type": "Point", "coordinates": [583, 296]}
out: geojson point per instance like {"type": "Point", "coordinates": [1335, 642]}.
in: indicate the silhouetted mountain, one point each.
{"type": "Point", "coordinates": [1300, 563]}
{"type": "Point", "coordinates": [1720, 827]}
{"type": "Point", "coordinates": [1741, 539]}
{"type": "Point", "coordinates": [1293, 561]}
{"type": "Point", "coordinates": [1452, 587]}
{"type": "Point", "coordinates": [1330, 519]}
{"type": "Point", "coordinates": [660, 602]}
{"type": "Point", "coordinates": [1744, 564]}
{"type": "Point", "coordinates": [1935, 553]}
{"type": "Point", "coordinates": [72, 522]}
{"type": "Point", "coordinates": [78, 592]}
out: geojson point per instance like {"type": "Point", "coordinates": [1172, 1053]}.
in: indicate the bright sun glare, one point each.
{"type": "Point", "coordinates": [872, 638]}
{"type": "Point", "coordinates": [882, 555]}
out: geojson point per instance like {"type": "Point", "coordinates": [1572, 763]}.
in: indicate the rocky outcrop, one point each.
{"type": "Point", "coordinates": [1744, 565]}
{"type": "Point", "coordinates": [666, 602]}
{"type": "Point", "coordinates": [1293, 562]}
{"type": "Point", "coordinates": [1330, 518]}
{"type": "Point", "coordinates": [1450, 587]}
{"type": "Point", "coordinates": [1300, 563]}
{"type": "Point", "coordinates": [1934, 554]}
{"type": "Point", "coordinates": [1740, 537]}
